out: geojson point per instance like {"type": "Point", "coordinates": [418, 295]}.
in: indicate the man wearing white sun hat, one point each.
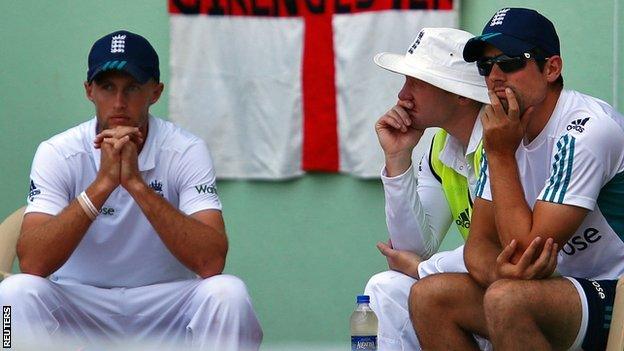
{"type": "Point", "coordinates": [440, 90]}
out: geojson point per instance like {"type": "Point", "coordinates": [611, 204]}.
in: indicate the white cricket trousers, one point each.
{"type": "Point", "coordinates": [389, 292]}
{"type": "Point", "coordinates": [201, 314]}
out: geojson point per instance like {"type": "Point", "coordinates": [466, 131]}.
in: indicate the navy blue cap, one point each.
{"type": "Point", "coordinates": [515, 31]}
{"type": "Point", "coordinates": [124, 51]}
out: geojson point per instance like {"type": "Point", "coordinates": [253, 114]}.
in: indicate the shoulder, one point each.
{"type": "Point", "coordinates": [589, 119]}
{"type": "Point", "coordinates": [172, 137]}
{"type": "Point", "coordinates": [71, 142]}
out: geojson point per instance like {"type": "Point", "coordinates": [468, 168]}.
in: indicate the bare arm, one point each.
{"type": "Point", "coordinates": [503, 132]}
{"type": "Point", "coordinates": [47, 241]}
{"type": "Point", "coordinates": [197, 241]}
{"type": "Point", "coordinates": [482, 246]}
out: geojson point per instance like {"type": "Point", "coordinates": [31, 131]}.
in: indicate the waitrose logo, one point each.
{"type": "Point", "coordinates": [206, 189]}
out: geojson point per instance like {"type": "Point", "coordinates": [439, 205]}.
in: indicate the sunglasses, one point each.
{"type": "Point", "coordinates": [505, 63]}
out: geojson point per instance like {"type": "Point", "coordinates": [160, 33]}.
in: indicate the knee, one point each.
{"type": "Point", "coordinates": [426, 296]}
{"type": "Point", "coordinates": [20, 287]}
{"type": "Point", "coordinates": [504, 298]}
{"type": "Point", "coordinates": [223, 290]}
{"type": "Point", "coordinates": [380, 283]}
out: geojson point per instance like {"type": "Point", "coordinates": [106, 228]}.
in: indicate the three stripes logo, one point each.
{"type": "Point", "coordinates": [578, 125]}
{"type": "Point", "coordinates": [463, 220]}
{"type": "Point", "coordinates": [113, 65]}
{"type": "Point", "coordinates": [33, 191]}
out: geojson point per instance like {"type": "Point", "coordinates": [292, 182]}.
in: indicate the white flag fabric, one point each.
{"type": "Point", "coordinates": [237, 82]}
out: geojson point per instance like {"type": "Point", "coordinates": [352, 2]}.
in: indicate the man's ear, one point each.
{"type": "Point", "coordinates": [553, 68]}
{"type": "Point", "coordinates": [158, 89]}
{"type": "Point", "coordinates": [89, 90]}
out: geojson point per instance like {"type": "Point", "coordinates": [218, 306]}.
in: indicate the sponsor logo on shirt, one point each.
{"type": "Point", "coordinates": [578, 125]}
{"type": "Point", "coordinates": [581, 242]}
{"type": "Point", "coordinates": [156, 186]}
{"type": "Point", "coordinates": [33, 191]}
{"type": "Point", "coordinates": [206, 189]}
{"type": "Point", "coordinates": [598, 288]}
{"type": "Point", "coordinates": [107, 211]}
{"type": "Point", "coordinates": [463, 219]}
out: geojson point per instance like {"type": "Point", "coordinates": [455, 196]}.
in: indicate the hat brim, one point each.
{"type": "Point", "coordinates": [396, 63]}
{"type": "Point", "coordinates": [509, 45]}
{"type": "Point", "coordinates": [138, 74]}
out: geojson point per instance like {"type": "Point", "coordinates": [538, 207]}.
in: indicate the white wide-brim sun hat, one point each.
{"type": "Point", "coordinates": [436, 57]}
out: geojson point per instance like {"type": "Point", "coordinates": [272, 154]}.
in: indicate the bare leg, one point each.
{"type": "Point", "coordinates": [532, 314]}
{"type": "Point", "coordinates": [446, 310]}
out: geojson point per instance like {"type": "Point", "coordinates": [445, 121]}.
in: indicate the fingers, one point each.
{"type": "Point", "coordinates": [384, 249]}
{"type": "Point", "coordinates": [397, 117]}
{"type": "Point", "coordinates": [508, 251]}
{"type": "Point", "coordinates": [527, 257]}
{"type": "Point", "coordinates": [118, 132]}
{"type": "Point", "coordinates": [552, 262]}
{"type": "Point", "coordinates": [513, 110]}
{"type": "Point", "coordinates": [496, 104]}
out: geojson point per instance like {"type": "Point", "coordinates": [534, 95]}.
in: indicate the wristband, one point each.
{"type": "Point", "coordinates": [87, 206]}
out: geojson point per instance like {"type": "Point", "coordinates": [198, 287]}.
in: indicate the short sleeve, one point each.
{"type": "Point", "coordinates": [583, 162]}
{"type": "Point", "coordinates": [196, 180]}
{"type": "Point", "coordinates": [49, 182]}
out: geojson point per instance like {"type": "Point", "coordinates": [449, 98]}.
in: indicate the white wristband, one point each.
{"type": "Point", "coordinates": [87, 205]}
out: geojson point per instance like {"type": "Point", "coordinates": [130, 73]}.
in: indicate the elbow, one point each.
{"type": "Point", "coordinates": [215, 267]}
{"type": "Point", "coordinates": [28, 266]}
{"type": "Point", "coordinates": [478, 273]}
{"type": "Point", "coordinates": [215, 264]}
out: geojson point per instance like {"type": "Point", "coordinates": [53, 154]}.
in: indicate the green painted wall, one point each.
{"type": "Point", "coordinates": [305, 247]}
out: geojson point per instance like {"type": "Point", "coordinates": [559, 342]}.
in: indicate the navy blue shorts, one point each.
{"type": "Point", "coordinates": [599, 295]}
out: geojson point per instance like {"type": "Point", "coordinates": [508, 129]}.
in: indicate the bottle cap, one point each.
{"type": "Point", "coordinates": [363, 299]}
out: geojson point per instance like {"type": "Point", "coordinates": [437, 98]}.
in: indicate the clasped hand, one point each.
{"type": "Point", "coordinates": [119, 155]}
{"type": "Point", "coordinates": [528, 267]}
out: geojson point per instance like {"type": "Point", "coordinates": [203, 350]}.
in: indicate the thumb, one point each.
{"type": "Point", "coordinates": [384, 249]}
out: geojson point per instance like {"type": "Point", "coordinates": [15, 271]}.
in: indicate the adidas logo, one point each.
{"type": "Point", "coordinates": [498, 17]}
{"type": "Point", "coordinates": [463, 220]}
{"type": "Point", "coordinates": [578, 125]}
{"type": "Point", "coordinates": [33, 191]}
{"type": "Point", "coordinates": [416, 42]}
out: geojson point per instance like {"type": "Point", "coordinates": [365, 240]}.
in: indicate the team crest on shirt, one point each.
{"type": "Point", "coordinates": [33, 191]}
{"type": "Point", "coordinates": [578, 125]}
{"type": "Point", "coordinates": [156, 186]}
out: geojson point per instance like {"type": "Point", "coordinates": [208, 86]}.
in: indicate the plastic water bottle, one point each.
{"type": "Point", "coordinates": [363, 326]}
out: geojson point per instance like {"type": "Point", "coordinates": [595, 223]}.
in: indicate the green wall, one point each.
{"type": "Point", "coordinates": [305, 247]}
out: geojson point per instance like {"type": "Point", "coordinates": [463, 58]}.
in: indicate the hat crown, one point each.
{"type": "Point", "coordinates": [526, 25]}
{"type": "Point", "coordinates": [124, 50]}
{"type": "Point", "coordinates": [440, 51]}
{"type": "Point", "coordinates": [435, 57]}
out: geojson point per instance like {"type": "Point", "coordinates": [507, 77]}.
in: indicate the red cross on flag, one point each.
{"type": "Point", "coordinates": [281, 87]}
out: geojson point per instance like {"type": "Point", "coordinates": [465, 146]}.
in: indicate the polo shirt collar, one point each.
{"type": "Point", "coordinates": [453, 154]}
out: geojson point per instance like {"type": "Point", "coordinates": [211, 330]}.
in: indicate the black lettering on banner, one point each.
{"type": "Point", "coordinates": [182, 6]}
{"type": "Point", "coordinates": [6, 327]}
{"type": "Point", "coordinates": [316, 8]}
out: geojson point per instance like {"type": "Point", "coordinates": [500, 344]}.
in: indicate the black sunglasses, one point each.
{"type": "Point", "coordinates": [505, 63]}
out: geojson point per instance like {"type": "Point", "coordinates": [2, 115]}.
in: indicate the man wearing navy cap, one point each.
{"type": "Point", "coordinates": [123, 216]}
{"type": "Point", "coordinates": [548, 196]}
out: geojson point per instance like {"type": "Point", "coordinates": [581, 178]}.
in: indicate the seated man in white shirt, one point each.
{"type": "Point", "coordinates": [123, 216]}
{"type": "Point", "coordinates": [441, 90]}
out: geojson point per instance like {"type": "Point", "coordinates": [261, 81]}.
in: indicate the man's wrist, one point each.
{"type": "Point", "coordinates": [135, 186]}
{"type": "Point", "coordinates": [398, 163]}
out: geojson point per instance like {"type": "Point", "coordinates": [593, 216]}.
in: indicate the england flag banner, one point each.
{"type": "Point", "coordinates": [278, 88]}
